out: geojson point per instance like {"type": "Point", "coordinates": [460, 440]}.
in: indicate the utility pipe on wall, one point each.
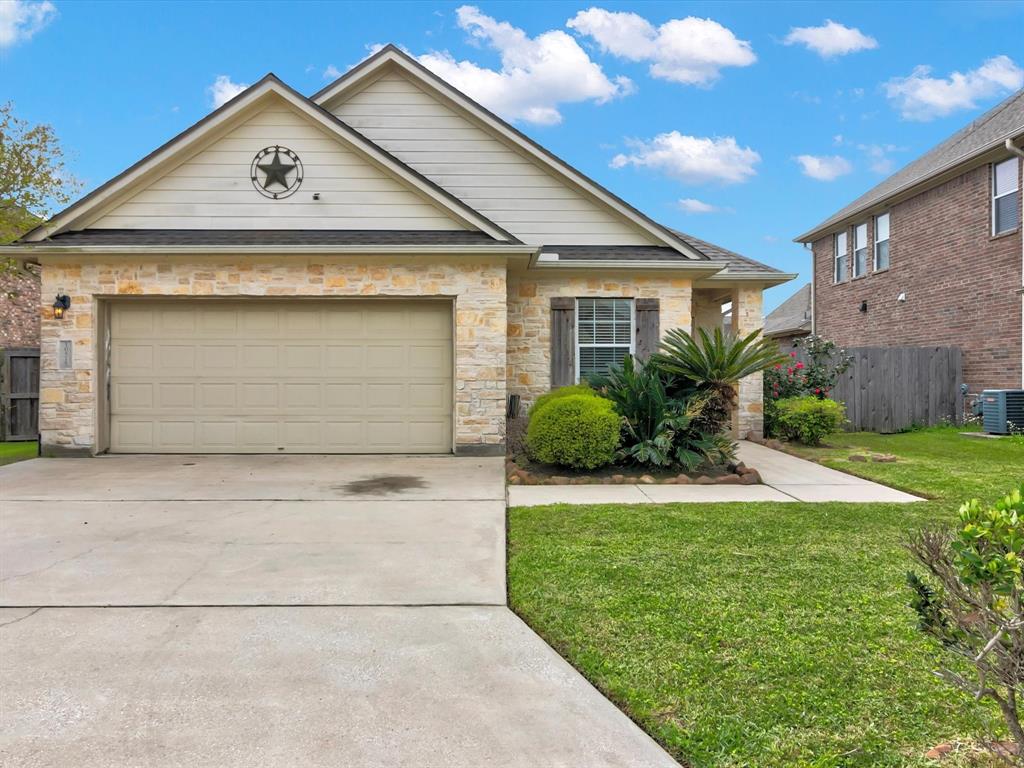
{"type": "Point", "coordinates": [1010, 146]}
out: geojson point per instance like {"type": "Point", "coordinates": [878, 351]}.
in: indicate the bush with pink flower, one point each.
{"type": "Point", "coordinates": [813, 373]}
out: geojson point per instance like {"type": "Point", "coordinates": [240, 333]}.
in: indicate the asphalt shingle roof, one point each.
{"type": "Point", "coordinates": [736, 264]}
{"type": "Point", "coordinates": [272, 237]}
{"type": "Point", "coordinates": [1004, 121]}
{"type": "Point", "coordinates": [791, 316]}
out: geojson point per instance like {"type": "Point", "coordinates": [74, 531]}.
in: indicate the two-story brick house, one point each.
{"type": "Point", "coordinates": [934, 254]}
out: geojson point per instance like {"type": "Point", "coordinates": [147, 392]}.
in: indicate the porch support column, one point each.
{"type": "Point", "coordinates": [747, 316]}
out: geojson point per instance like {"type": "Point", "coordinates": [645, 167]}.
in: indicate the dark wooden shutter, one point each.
{"type": "Point", "coordinates": [563, 341]}
{"type": "Point", "coordinates": [648, 327]}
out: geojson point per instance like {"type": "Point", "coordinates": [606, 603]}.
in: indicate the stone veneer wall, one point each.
{"type": "Point", "coordinates": [748, 316]}
{"type": "Point", "coordinates": [529, 317]}
{"type": "Point", "coordinates": [68, 398]}
{"type": "Point", "coordinates": [529, 327]}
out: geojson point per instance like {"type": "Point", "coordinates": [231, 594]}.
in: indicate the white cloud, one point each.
{"type": "Point", "coordinates": [223, 90]}
{"type": "Point", "coordinates": [690, 50]}
{"type": "Point", "coordinates": [332, 72]}
{"type": "Point", "coordinates": [878, 156]}
{"type": "Point", "coordinates": [692, 205]}
{"type": "Point", "coordinates": [824, 167]}
{"type": "Point", "coordinates": [922, 97]}
{"type": "Point", "coordinates": [537, 74]}
{"type": "Point", "coordinates": [831, 39]}
{"type": "Point", "coordinates": [20, 20]}
{"type": "Point", "coordinates": [692, 159]}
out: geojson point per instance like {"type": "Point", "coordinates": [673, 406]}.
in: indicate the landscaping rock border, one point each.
{"type": "Point", "coordinates": [740, 474]}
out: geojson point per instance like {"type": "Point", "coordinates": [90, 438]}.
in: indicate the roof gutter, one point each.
{"type": "Point", "coordinates": [27, 251]}
{"type": "Point", "coordinates": [682, 265]}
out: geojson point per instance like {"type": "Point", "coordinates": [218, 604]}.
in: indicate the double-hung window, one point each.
{"type": "Point", "coordinates": [1005, 197]}
{"type": "Point", "coordinates": [604, 335]}
{"type": "Point", "coordinates": [842, 258]}
{"type": "Point", "coordinates": [860, 249]}
{"type": "Point", "coordinates": [882, 241]}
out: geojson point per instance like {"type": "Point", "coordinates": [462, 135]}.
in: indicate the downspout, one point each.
{"type": "Point", "coordinates": [1020, 153]}
{"type": "Point", "coordinates": [814, 317]}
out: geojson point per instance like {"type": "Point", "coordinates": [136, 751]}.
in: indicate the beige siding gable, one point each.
{"type": "Point", "coordinates": [490, 176]}
{"type": "Point", "coordinates": [212, 189]}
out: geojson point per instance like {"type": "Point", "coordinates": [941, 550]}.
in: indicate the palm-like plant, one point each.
{"type": "Point", "coordinates": [714, 363]}
{"type": "Point", "coordinates": [659, 430]}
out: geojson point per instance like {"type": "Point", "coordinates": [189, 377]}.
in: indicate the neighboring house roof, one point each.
{"type": "Point", "coordinates": [985, 134]}
{"type": "Point", "coordinates": [159, 160]}
{"type": "Point", "coordinates": [271, 237]}
{"type": "Point", "coordinates": [391, 55]}
{"type": "Point", "coordinates": [791, 317]}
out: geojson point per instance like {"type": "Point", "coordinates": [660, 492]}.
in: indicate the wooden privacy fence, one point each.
{"type": "Point", "coordinates": [19, 394]}
{"type": "Point", "coordinates": [888, 389]}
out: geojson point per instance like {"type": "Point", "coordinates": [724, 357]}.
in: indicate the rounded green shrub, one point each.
{"type": "Point", "coordinates": [557, 394]}
{"type": "Point", "coordinates": [808, 419]}
{"type": "Point", "coordinates": [578, 431]}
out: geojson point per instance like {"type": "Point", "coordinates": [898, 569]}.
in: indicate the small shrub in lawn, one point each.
{"type": "Point", "coordinates": [794, 378]}
{"type": "Point", "coordinates": [556, 394]}
{"type": "Point", "coordinates": [973, 604]}
{"type": "Point", "coordinates": [578, 431]}
{"type": "Point", "coordinates": [808, 419]}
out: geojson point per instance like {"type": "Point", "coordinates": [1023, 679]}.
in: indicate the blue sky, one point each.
{"type": "Point", "coordinates": [762, 113]}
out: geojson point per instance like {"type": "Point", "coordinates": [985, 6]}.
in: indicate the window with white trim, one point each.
{"type": "Point", "coordinates": [860, 249]}
{"type": "Point", "coordinates": [604, 335]}
{"type": "Point", "coordinates": [882, 241]}
{"type": "Point", "coordinates": [1005, 196]}
{"type": "Point", "coordinates": [842, 258]}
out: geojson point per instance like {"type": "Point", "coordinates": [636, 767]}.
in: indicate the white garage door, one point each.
{"type": "Point", "coordinates": [288, 376]}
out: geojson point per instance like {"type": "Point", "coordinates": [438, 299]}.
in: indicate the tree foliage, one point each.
{"type": "Point", "coordinates": [973, 604]}
{"type": "Point", "coordinates": [33, 176]}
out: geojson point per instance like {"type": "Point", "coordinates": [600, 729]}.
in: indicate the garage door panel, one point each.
{"type": "Point", "coordinates": [272, 376]}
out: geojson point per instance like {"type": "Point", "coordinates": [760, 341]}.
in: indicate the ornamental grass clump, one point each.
{"type": "Point", "coordinates": [972, 602]}
{"type": "Point", "coordinates": [578, 430]}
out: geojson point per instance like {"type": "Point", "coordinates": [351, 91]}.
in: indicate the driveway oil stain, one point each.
{"type": "Point", "coordinates": [382, 484]}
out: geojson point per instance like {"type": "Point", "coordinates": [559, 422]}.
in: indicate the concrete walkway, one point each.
{"type": "Point", "coordinates": [786, 479]}
{"type": "Point", "coordinates": [281, 611]}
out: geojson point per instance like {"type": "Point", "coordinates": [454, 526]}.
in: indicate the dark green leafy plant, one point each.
{"type": "Point", "coordinates": [659, 430]}
{"type": "Point", "coordinates": [974, 603]}
{"type": "Point", "coordinates": [714, 363]}
{"type": "Point", "coordinates": [807, 419]}
{"type": "Point", "coordinates": [578, 431]}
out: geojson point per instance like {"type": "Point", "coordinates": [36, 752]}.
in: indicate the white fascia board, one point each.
{"type": "Point", "coordinates": [367, 71]}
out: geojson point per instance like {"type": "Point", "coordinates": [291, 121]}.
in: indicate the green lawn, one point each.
{"type": "Point", "coordinates": [12, 452]}
{"type": "Point", "coordinates": [763, 634]}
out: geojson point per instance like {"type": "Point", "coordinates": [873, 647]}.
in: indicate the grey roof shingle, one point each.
{"type": "Point", "coordinates": [791, 316]}
{"type": "Point", "coordinates": [736, 264]}
{"type": "Point", "coordinates": [272, 237]}
{"type": "Point", "coordinates": [615, 253]}
{"type": "Point", "coordinates": [1005, 120]}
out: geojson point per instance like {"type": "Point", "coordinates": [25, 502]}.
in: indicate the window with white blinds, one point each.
{"type": "Point", "coordinates": [604, 335]}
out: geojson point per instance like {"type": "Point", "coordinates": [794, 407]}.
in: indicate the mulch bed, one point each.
{"type": "Point", "coordinates": [520, 470]}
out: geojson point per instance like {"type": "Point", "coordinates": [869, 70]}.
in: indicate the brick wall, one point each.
{"type": "Point", "coordinates": [962, 285]}
{"type": "Point", "coordinates": [19, 309]}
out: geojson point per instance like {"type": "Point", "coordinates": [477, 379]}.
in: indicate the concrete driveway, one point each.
{"type": "Point", "coordinates": [272, 610]}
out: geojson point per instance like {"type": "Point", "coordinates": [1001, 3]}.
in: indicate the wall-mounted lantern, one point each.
{"type": "Point", "coordinates": [61, 305]}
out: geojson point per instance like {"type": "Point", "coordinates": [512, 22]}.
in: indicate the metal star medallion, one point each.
{"type": "Point", "coordinates": [276, 173]}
